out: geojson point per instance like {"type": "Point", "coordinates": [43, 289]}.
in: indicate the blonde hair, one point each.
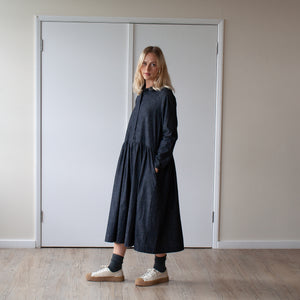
{"type": "Point", "coordinates": [163, 79]}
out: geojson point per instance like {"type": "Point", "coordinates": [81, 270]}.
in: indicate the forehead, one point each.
{"type": "Point", "coordinates": [150, 57]}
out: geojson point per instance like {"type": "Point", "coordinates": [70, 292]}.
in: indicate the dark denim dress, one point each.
{"type": "Point", "coordinates": [144, 210]}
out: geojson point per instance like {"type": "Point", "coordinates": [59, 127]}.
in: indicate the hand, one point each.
{"type": "Point", "coordinates": [156, 170]}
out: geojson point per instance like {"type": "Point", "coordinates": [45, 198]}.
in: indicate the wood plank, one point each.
{"type": "Point", "coordinates": [59, 273]}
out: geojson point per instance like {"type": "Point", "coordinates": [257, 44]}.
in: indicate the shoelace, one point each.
{"type": "Point", "coordinates": [104, 266]}
{"type": "Point", "coordinates": [101, 269]}
{"type": "Point", "coordinates": [149, 273]}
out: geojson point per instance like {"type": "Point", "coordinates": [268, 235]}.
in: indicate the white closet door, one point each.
{"type": "Point", "coordinates": [84, 88]}
{"type": "Point", "coordinates": [85, 71]}
{"type": "Point", "coordinates": [190, 52]}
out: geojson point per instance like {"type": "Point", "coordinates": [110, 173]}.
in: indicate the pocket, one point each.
{"type": "Point", "coordinates": [152, 165]}
{"type": "Point", "coordinates": [154, 174]}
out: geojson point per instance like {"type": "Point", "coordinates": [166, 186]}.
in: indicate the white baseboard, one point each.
{"type": "Point", "coordinates": [248, 244]}
{"type": "Point", "coordinates": [238, 244]}
{"type": "Point", "coordinates": [17, 243]}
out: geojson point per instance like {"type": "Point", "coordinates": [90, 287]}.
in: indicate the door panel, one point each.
{"type": "Point", "coordinates": [84, 78]}
{"type": "Point", "coordinates": [190, 52]}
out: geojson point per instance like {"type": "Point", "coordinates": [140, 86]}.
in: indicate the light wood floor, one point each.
{"type": "Point", "coordinates": [59, 273]}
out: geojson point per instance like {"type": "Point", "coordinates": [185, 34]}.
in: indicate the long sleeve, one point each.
{"type": "Point", "coordinates": [169, 131]}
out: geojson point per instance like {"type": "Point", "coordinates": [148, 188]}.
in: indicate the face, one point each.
{"type": "Point", "coordinates": [149, 69]}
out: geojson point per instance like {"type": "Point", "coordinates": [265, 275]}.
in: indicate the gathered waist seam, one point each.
{"type": "Point", "coordinates": [127, 142]}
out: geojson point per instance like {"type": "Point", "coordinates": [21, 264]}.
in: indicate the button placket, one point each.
{"type": "Point", "coordinates": [137, 116]}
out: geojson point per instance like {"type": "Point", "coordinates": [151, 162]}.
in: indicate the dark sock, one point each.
{"type": "Point", "coordinates": [160, 263]}
{"type": "Point", "coordinates": [116, 263]}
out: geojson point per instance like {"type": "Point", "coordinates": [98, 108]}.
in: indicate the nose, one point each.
{"type": "Point", "coordinates": [147, 67]}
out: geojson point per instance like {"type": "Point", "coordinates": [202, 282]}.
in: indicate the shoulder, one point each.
{"type": "Point", "coordinates": [167, 94]}
{"type": "Point", "coordinates": [167, 100]}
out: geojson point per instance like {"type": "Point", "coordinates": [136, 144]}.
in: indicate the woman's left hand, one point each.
{"type": "Point", "coordinates": [156, 170]}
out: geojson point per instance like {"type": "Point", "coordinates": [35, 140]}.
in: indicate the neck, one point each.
{"type": "Point", "coordinates": [149, 83]}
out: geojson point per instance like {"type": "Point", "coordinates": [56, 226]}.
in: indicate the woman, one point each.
{"type": "Point", "coordinates": [144, 210]}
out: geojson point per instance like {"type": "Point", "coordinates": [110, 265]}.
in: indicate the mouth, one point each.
{"type": "Point", "coordinates": [147, 74]}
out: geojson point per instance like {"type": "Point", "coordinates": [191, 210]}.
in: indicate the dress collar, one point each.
{"type": "Point", "coordinates": [147, 89]}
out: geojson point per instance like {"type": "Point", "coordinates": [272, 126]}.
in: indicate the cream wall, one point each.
{"type": "Point", "coordinates": [260, 145]}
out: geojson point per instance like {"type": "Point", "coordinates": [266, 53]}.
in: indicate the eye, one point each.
{"type": "Point", "coordinates": [153, 65]}
{"type": "Point", "coordinates": [144, 63]}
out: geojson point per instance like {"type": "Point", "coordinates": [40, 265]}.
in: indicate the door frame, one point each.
{"type": "Point", "coordinates": [38, 100]}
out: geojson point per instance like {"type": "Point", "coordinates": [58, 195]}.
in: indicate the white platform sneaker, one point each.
{"type": "Point", "coordinates": [151, 277]}
{"type": "Point", "coordinates": [105, 274]}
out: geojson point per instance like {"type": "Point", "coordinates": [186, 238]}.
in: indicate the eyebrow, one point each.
{"type": "Point", "coordinates": [151, 61]}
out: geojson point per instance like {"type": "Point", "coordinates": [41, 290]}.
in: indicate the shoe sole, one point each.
{"type": "Point", "coordinates": [89, 277]}
{"type": "Point", "coordinates": [141, 282]}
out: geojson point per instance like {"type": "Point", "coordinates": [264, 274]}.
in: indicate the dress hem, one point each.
{"type": "Point", "coordinates": [143, 250]}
